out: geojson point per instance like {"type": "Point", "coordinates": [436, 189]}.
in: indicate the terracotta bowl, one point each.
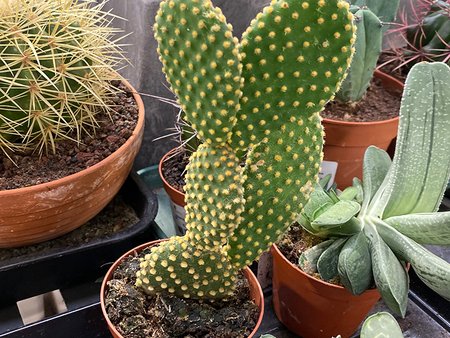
{"type": "Point", "coordinates": [256, 293]}
{"type": "Point", "coordinates": [41, 212]}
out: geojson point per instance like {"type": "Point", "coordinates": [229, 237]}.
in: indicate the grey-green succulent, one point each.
{"type": "Point", "coordinates": [381, 324]}
{"type": "Point", "coordinates": [374, 227]}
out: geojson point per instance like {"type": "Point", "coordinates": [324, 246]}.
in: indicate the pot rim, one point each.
{"type": "Point", "coordinates": [111, 326]}
{"type": "Point", "coordinates": [160, 170]}
{"type": "Point", "coordinates": [111, 158]}
{"type": "Point", "coordinates": [381, 75]}
{"type": "Point", "coordinates": [276, 250]}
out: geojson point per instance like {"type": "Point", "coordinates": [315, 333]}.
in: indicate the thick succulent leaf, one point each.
{"type": "Point", "coordinates": [328, 260]}
{"type": "Point", "coordinates": [390, 275]}
{"type": "Point", "coordinates": [358, 185]}
{"type": "Point", "coordinates": [421, 166]}
{"type": "Point", "coordinates": [308, 259]}
{"type": "Point", "coordinates": [349, 194]}
{"type": "Point", "coordinates": [432, 228]}
{"type": "Point", "coordinates": [318, 199]}
{"type": "Point", "coordinates": [355, 264]}
{"type": "Point", "coordinates": [337, 214]}
{"type": "Point", "coordinates": [431, 269]}
{"type": "Point", "coordinates": [376, 165]}
{"type": "Point", "coordinates": [306, 224]}
{"type": "Point", "coordinates": [324, 181]}
{"type": "Point", "coordinates": [381, 324]}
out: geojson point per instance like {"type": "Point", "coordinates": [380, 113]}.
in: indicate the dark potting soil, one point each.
{"type": "Point", "coordinates": [71, 157]}
{"type": "Point", "coordinates": [295, 242]}
{"type": "Point", "coordinates": [138, 315]}
{"type": "Point", "coordinates": [378, 104]}
{"type": "Point", "coordinates": [174, 169]}
{"type": "Point", "coordinates": [115, 217]}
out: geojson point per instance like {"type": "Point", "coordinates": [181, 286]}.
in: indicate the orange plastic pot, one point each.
{"type": "Point", "coordinates": [346, 142]}
{"type": "Point", "coordinates": [312, 308]}
{"type": "Point", "coordinates": [256, 293]}
{"type": "Point", "coordinates": [38, 213]}
{"type": "Point", "coordinates": [176, 196]}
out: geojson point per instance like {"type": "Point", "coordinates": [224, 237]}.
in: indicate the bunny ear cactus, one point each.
{"type": "Point", "coordinates": [258, 100]}
{"type": "Point", "coordinates": [400, 199]}
{"type": "Point", "coordinates": [57, 60]}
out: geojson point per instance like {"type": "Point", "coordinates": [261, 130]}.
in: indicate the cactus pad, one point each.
{"type": "Point", "coordinates": [261, 132]}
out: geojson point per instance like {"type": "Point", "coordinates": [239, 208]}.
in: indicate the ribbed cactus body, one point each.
{"type": "Point", "coordinates": [432, 36]}
{"type": "Point", "coordinates": [56, 64]}
{"type": "Point", "coordinates": [385, 10]}
{"type": "Point", "coordinates": [254, 171]}
{"type": "Point", "coordinates": [368, 47]}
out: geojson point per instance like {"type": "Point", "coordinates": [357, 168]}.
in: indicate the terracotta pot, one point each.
{"type": "Point", "coordinates": [176, 197]}
{"type": "Point", "coordinates": [38, 213]}
{"type": "Point", "coordinates": [346, 142]}
{"type": "Point", "coordinates": [313, 308]}
{"type": "Point", "coordinates": [256, 293]}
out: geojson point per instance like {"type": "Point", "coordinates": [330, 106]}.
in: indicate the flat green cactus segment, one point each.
{"type": "Point", "coordinates": [280, 177]}
{"type": "Point", "coordinates": [201, 62]}
{"type": "Point", "coordinates": [57, 59]}
{"type": "Point", "coordinates": [294, 57]}
{"type": "Point", "coordinates": [368, 47]}
{"type": "Point", "coordinates": [178, 268]}
{"type": "Point", "coordinates": [214, 195]}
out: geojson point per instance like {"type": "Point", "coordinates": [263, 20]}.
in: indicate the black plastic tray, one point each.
{"type": "Point", "coordinates": [62, 268]}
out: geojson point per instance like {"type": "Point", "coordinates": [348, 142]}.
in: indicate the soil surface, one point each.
{"type": "Point", "coordinates": [174, 169]}
{"type": "Point", "coordinates": [115, 217]}
{"type": "Point", "coordinates": [295, 242]}
{"type": "Point", "coordinates": [71, 157]}
{"type": "Point", "coordinates": [378, 105]}
{"type": "Point", "coordinates": [137, 315]}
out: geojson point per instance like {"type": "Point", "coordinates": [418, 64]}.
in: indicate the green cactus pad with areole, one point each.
{"type": "Point", "coordinates": [262, 147]}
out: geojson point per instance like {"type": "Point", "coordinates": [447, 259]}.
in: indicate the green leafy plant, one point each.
{"type": "Point", "coordinates": [255, 106]}
{"type": "Point", "coordinates": [373, 227]}
{"type": "Point", "coordinates": [57, 61]}
{"type": "Point", "coordinates": [369, 35]}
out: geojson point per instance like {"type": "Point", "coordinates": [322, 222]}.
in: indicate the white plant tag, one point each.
{"type": "Point", "coordinates": [328, 168]}
{"type": "Point", "coordinates": [178, 217]}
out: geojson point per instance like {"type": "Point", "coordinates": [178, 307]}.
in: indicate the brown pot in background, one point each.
{"type": "Point", "coordinates": [313, 308]}
{"type": "Point", "coordinates": [176, 197]}
{"type": "Point", "coordinates": [346, 142]}
{"type": "Point", "coordinates": [256, 293]}
{"type": "Point", "coordinates": [38, 213]}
